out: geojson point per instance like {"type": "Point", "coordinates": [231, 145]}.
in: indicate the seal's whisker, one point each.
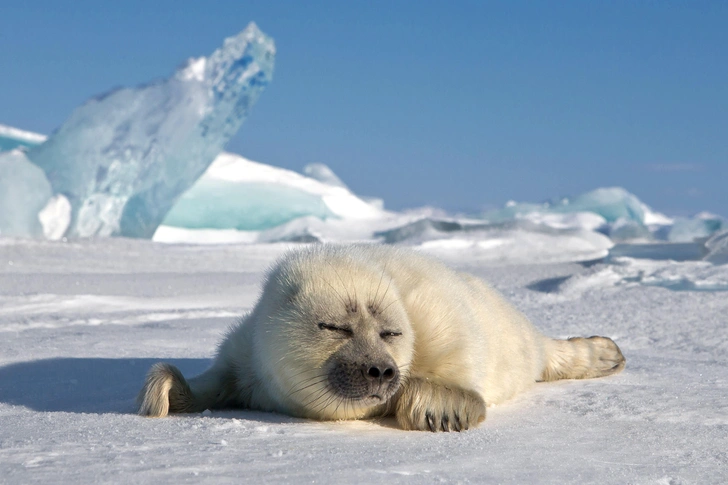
{"type": "Point", "coordinates": [300, 389]}
{"type": "Point", "coordinates": [374, 306]}
{"type": "Point", "coordinates": [323, 373]}
{"type": "Point", "coordinates": [392, 303]}
{"type": "Point", "coordinates": [329, 402]}
{"type": "Point", "coordinates": [343, 302]}
{"type": "Point", "coordinates": [317, 396]}
{"type": "Point", "coordinates": [385, 294]}
{"type": "Point", "coordinates": [348, 295]}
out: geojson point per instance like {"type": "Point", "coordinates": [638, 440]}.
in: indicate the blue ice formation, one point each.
{"type": "Point", "coordinates": [217, 204]}
{"type": "Point", "coordinates": [611, 203]}
{"type": "Point", "coordinates": [24, 192]}
{"type": "Point", "coordinates": [717, 247]}
{"type": "Point", "coordinates": [236, 193]}
{"type": "Point", "coordinates": [698, 227]}
{"type": "Point", "coordinates": [122, 159]}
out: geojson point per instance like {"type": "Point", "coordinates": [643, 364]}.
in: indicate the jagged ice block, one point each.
{"type": "Point", "coordinates": [122, 159]}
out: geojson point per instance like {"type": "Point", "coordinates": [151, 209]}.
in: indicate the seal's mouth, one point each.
{"type": "Point", "coordinates": [362, 383]}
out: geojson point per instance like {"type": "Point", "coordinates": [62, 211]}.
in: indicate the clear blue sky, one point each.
{"type": "Point", "coordinates": [461, 104]}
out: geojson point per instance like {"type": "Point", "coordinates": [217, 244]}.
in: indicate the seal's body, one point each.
{"type": "Point", "coordinates": [348, 332]}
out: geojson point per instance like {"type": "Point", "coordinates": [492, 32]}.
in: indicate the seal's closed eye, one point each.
{"type": "Point", "coordinates": [334, 328]}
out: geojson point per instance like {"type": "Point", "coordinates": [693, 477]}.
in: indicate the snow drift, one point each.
{"type": "Point", "coordinates": [12, 138]}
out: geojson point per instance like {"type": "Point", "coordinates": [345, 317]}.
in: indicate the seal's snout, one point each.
{"type": "Point", "coordinates": [362, 380]}
{"type": "Point", "coordinates": [382, 373]}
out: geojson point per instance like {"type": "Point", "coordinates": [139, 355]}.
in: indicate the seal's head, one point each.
{"type": "Point", "coordinates": [336, 333]}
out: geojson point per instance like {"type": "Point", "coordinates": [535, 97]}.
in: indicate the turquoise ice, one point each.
{"type": "Point", "coordinates": [122, 159]}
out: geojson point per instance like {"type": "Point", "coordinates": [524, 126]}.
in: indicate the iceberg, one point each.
{"type": "Point", "coordinates": [627, 230]}
{"type": "Point", "coordinates": [717, 247]}
{"type": "Point", "coordinates": [699, 227]}
{"type": "Point", "coordinates": [611, 203]}
{"type": "Point", "coordinates": [236, 193]}
{"type": "Point", "coordinates": [24, 192]}
{"type": "Point", "coordinates": [122, 159]}
{"type": "Point", "coordinates": [623, 216]}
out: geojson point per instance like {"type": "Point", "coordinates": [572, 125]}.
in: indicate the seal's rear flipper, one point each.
{"type": "Point", "coordinates": [166, 391]}
{"type": "Point", "coordinates": [582, 358]}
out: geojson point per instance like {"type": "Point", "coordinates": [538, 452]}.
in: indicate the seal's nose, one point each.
{"type": "Point", "coordinates": [382, 373]}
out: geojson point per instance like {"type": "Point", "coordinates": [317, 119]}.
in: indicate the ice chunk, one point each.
{"type": "Point", "coordinates": [627, 230]}
{"type": "Point", "coordinates": [614, 212]}
{"type": "Point", "coordinates": [611, 203]}
{"type": "Point", "coordinates": [574, 220]}
{"type": "Point", "coordinates": [122, 159]}
{"type": "Point", "coordinates": [717, 247]}
{"type": "Point", "coordinates": [324, 174]}
{"type": "Point", "coordinates": [429, 228]}
{"type": "Point", "coordinates": [673, 275]}
{"type": "Point", "coordinates": [518, 246]}
{"type": "Point", "coordinates": [700, 226]}
{"type": "Point", "coordinates": [236, 193]}
{"type": "Point", "coordinates": [55, 217]}
{"type": "Point", "coordinates": [214, 204]}
{"type": "Point", "coordinates": [24, 191]}
{"type": "Point", "coordinates": [516, 241]}
{"type": "Point", "coordinates": [11, 138]}
{"type": "Point", "coordinates": [513, 210]}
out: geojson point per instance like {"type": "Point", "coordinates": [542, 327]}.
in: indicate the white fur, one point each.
{"type": "Point", "coordinates": [462, 344]}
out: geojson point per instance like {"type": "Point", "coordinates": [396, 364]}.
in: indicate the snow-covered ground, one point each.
{"type": "Point", "coordinates": [81, 322]}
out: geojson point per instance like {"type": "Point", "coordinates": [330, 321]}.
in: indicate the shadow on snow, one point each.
{"type": "Point", "coordinates": [96, 385]}
{"type": "Point", "coordinates": [76, 385]}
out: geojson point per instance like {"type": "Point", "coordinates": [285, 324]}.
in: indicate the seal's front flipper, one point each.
{"type": "Point", "coordinates": [427, 406]}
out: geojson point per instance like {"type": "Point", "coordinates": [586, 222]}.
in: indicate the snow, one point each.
{"type": "Point", "coordinates": [12, 138]}
{"type": "Point", "coordinates": [82, 321]}
{"type": "Point", "coordinates": [123, 158]}
{"type": "Point", "coordinates": [630, 272]}
{"type": "Point", "coordinates": [55, 217]}
{"type": "Point", "coordinates": [323, 174]}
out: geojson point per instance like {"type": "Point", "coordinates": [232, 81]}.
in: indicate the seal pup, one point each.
{"type": "Point", "coordinates": [351, 332]}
